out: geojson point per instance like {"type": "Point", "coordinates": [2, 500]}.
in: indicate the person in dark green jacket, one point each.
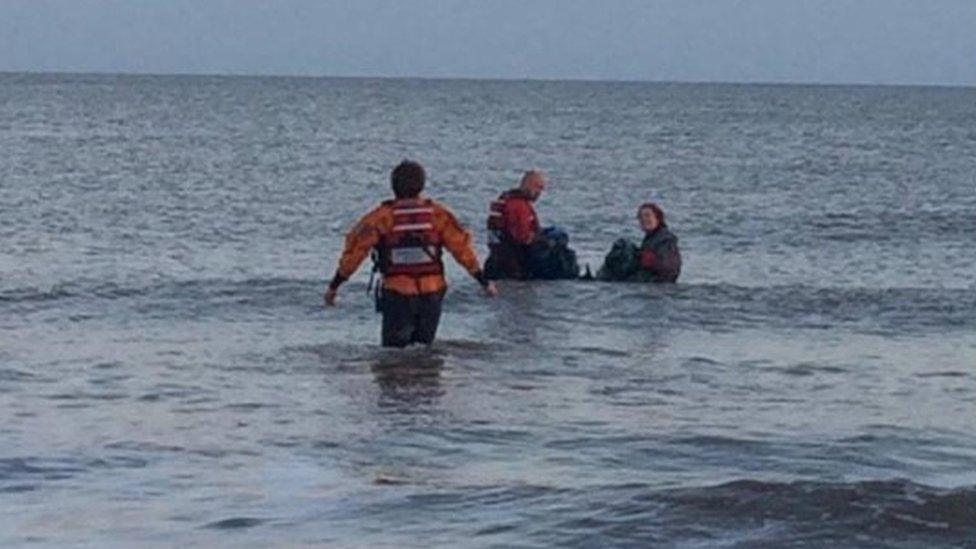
{"type": "Point", "coordinates": [657, 259]}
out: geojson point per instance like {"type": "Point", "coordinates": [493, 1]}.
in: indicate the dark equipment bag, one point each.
{"type": "Point", "coordinates": [551, 258]}
{"type": "Point", "coordinates": [621, 262]}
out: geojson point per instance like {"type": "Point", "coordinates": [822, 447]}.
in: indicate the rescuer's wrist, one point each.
{"type": "Point", "coordinates": [480, 277]}
{"type": "Point", "coordinates": [337, 281]}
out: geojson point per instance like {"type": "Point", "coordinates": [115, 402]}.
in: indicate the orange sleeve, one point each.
{"type": "Point", "coordinates": [457, 240]}
{"type": "Point", "coordinates": [362, 238]}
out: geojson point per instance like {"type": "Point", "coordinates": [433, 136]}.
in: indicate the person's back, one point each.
{"type": "Point", "coordinates": [408, 234]}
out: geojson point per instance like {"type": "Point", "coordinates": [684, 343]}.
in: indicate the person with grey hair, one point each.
{"type": "Point", "coordinates": [513, 228]}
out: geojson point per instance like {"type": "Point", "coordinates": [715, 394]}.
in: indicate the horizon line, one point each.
{"type": "Point", "coordinates": [4, 72]}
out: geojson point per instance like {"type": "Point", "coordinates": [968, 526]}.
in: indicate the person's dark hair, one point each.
{"type": "Point", "coordinates": [658, 212]}
{"type": "Point", "coordinates": [408, 179]}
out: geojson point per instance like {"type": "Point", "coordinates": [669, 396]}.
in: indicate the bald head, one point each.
{"type": "Point", "coordinates": [533, 183]}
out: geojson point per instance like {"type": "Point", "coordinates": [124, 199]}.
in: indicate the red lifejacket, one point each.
{"type": "Point", "coordinates": [497, 232]}
{"type": "Point", "coordinates": [412, 247]}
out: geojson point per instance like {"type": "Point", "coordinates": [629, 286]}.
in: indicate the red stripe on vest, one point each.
{"type": "Point", "coordinates": [412, 247]}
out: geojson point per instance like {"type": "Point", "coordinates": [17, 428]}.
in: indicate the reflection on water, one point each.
{"type": "Point", "coordinates": [513, 314]}
{"type": "Point", "coordinates": [411, 376]}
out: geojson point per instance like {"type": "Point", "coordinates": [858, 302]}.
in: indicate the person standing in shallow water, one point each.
{"type": "Point", "coordinates": [409, 234]}
{"type": "Point", "coordinates": [513, 227]}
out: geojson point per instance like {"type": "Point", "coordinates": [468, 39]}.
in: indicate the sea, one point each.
{"type": "Point", "coordinates": [169, 376]}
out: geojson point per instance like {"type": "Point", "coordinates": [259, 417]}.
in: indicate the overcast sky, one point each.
{"type": "Point", "coordinates": [821, 41]}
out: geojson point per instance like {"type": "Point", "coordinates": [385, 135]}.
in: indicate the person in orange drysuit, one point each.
{"type": "Point", "coordinates": [409, 234]}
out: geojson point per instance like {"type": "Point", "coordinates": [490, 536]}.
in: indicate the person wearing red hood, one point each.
{"type": "Point", "coordinates": [513, 227]}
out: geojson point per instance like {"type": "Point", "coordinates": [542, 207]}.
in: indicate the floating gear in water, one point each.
{"type": "Point", "coordinates": [551, 258]}
{"type": "Point", "coordinates": [621, 262]}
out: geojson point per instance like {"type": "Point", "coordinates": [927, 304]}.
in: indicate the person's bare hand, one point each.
{"type": "Point", "coordinates": [491, 290]}
{"type": "Point", "coordinates": [330, 297]}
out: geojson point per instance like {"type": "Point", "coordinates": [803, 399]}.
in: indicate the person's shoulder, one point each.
{"type": "Point", "coordinates": [443, 215]}
{"type": "Point", "coordinates": [440, 209]}
{"type": "Point", "coordinates": [379, 214]}
{"type": "Point", "coordinates": [436, 205]}
{"type": "Point", "coordinates": [668, 236]}
{"type": "Point", "coordinates": [659, 237]}
{"type": "Point", "coordinates": [384, 208]}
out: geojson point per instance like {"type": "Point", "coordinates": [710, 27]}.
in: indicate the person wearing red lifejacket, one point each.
{"type": "Point", "coordinates": [409, 234]}
{"type": "Point", "coordinates": [513, 227]}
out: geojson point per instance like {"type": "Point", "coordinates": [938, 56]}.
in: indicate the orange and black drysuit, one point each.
{"type": "Point", "coordinates": [409, 236]}
{"type": "Point", "coordinates": [513, 227]}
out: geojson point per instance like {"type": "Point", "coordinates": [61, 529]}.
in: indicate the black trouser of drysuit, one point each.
{"type": "Point", "coordinates": [410, 318]}
{"type": "Point", "coordinates": [507, 260]}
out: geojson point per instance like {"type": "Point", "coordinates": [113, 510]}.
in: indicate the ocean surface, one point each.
{"type": "Point", "coordinates": [168, 376]}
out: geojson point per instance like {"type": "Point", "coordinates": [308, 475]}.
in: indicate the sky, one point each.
{"type": "Point", "coordinates": [802, 41]}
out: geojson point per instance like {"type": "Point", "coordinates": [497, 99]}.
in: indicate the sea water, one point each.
{"type": "Point", "coordinates": [168, 375]}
